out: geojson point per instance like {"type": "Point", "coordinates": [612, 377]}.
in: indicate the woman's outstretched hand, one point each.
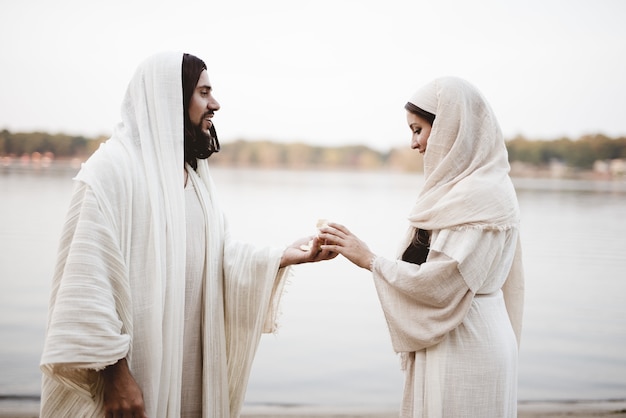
{"type": "Point", "coordinates": [337, 238]}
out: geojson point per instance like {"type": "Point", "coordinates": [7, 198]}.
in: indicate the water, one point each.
{"type": "Point", "coordinates": [332, 347]}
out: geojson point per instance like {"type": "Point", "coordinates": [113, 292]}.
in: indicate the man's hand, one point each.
{"type": "Point", "coordinates": [122, 396]}
{"type": "Point", "coordinates": [305, 250]}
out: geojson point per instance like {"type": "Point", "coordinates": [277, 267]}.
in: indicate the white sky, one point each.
{"type": "Point", "coordinates": [326, 72]}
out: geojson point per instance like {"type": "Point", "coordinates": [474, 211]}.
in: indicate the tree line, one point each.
{"type": "Point", "coordinates": [60, 145]}
{"type": "Point", "coordinates": [579, 153]}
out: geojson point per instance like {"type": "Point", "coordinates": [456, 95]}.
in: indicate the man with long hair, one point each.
{"type": "Point", "coordinates": [155, 309]}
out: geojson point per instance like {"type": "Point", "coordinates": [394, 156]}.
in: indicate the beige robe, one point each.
{"type": "Point", "coordinates": [453, 330]}
{"type": "Point", "coordinates": [456, 319]}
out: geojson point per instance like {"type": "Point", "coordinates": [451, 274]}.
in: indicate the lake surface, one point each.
{"type": "Point", "coordinates": [332, 347]}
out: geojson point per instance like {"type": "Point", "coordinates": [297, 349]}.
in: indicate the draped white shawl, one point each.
{"type": "Point", "coordinates": [467, 183]}
{"type": "Point", "coordinates": [118, 289]}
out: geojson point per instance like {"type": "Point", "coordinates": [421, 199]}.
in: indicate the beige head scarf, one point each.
{"type": "Point", "coordinates": [465, 164]}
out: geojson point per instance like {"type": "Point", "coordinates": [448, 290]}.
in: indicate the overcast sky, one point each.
{"type": "Point", "coordinates": [327, 72]}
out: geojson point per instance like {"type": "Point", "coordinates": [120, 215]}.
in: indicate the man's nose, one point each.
{"type": "Point", "coordinates": [213, 104]}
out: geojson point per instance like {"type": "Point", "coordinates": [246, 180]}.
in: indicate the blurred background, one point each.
{"type": "Point", "coordinates": [312, 126]}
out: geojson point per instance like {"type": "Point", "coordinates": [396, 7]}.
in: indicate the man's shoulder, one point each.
{"type": "Point", "coordinates": [109, 170]}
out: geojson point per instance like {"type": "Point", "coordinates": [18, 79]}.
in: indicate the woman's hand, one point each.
{"type": "Point", "coordinates": [122, 395]}
{"type": "Point", "coordinates": [305, 250]}
{"type": "Point", "coordinates": [338, 239]}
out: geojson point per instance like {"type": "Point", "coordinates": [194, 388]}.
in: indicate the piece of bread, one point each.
{"type": "Point", "coordinates": [320, 224]}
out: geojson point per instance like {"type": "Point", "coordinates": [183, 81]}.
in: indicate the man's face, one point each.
{"type": "Point", "coordinates": [202, 104]}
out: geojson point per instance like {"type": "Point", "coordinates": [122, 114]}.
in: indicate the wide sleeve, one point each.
{"type": "Point", "coordinates": [421, 303]}
{"type": "Point", "coordinates": [253, 284]}
{"type": "Point", "coordinates": [85, 332]}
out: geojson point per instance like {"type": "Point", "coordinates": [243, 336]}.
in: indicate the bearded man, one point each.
{"type": "Point", "coordinates": [155, 309]}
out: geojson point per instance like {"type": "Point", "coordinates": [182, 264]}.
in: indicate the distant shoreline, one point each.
{"type": "Point", "coordinates": [29, 408]}
{"type": "Point", "coordinates": [72, 166]}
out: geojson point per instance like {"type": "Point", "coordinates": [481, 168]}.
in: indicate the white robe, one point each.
{"type": "Point", "coordinates": [85, 333]}
{"type": "Point", "coordinates": [191, 401]}
{"type": "Point", "coordinates": [119, 287]}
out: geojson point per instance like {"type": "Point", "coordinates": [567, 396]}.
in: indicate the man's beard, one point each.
{"type": "Point", "coordinates": [199, 144]}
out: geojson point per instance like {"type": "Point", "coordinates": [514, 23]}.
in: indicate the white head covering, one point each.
{"type": "Point", "coordinates": [126, 303]}
{"type": "Point", "coordinates": [465, 164]}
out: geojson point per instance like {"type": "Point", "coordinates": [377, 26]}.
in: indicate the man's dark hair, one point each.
{"type": "Point", "coordinates": [197, 143]}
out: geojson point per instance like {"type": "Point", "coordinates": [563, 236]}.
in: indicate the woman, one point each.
{"type": "Point", "coordinates": [453, 298]}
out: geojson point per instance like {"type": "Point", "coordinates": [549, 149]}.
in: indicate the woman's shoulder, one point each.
{"type": "Point", "coordinates": [455, 240]}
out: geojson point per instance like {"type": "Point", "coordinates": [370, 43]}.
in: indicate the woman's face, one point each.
{"type": "Point", "coordinates": [421, 131]}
